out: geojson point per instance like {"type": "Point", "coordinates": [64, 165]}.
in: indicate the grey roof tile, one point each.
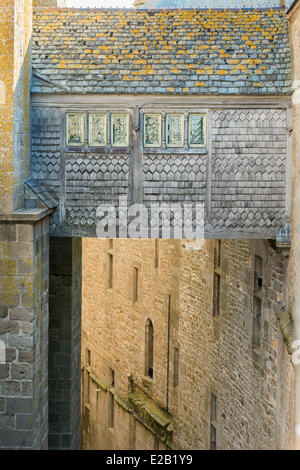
{"type": "Point", "coordinates": [171, 51]}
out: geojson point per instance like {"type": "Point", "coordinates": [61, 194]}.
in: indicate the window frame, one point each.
{"type": "Point", "coordinates": [82, 124]}
{"type": "Point", "coordinates": [204, 116]}
{"type": "Point", "coordinates": [93, 144]}
{"type": "Point", "coordinates": [149, 348]}
{"type": "Point", "coordinates": [182, 129]}
{"type": "Point", "coordinates": [113, 116]}
{"type": "Point", "coordinates": [159, 115]}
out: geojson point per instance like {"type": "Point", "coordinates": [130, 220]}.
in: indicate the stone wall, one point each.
{"type": "Point", "coordinates": [254, 389]}
{"type": "Point", "coordinates": [254, 386]}
{"type": "Point", "coordinates": [6, 104]}
{"type": "Point", "coordinates": [113, 319]}
{"type": "Point", "coordinates": [23, 249]}
{"type": "Point", "coordinates": [64, 346]}
{"type": "Point", "coordinates": [49, 3]}
{"type": "Point", "coordinates": [24, 331]}
{"type": "Point", "coordinates": [15, 37]}
{"type": "Point", "coordinates": [294, 288]}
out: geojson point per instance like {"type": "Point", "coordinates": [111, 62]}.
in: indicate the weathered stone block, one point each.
{"type": "Point", "coordinates": [19, 405]}
{"type": "Point", "coordinates": [25, 356]}
{"type": "Point", "coordinates": [3, 311]}
{"type": "Point", "coordinates": [11, 388]}
{"type": "Point", "coordinates": [11, 354]}
{"type": "Point", "coordinates": [24, 422]}
{"type": "Point", "coordinates": [16, 283]}
{"type": "Point", "coordinates": [8, 326]}
{"type": "Point", "coordinates": [7, 232]}
{"type": "Point", "coordinates": [17, 249]}
{"type": "Point", "coordinates": [21, 371]}
{"type": "Point", "coordinates": [4, 371]}
{"type": "Point", "coordinates": [8, 267]}
{"type": "Point", "coordinates": [25, 342]}
{"type": "Point", "coordinates": [7, 422]}
{"type": "Point", "coordinates": [27, 389]}
{"type": "Point", "coordinates": [27, 328]}
{"type": "Point", "coordinates": [26, 299]}
{"type": "Point", "coordinates": [20, 313]}
{"type": "Point", "coordinates": [2, 404]}
{"type": "Point", "coordinates": [25, 266]}
{"type": "Point", "coordinates": [25, 233]}
{"type": "Point", "coordinates": [10, 298]}
{"type": "Point", "coordinates": [15, 439]}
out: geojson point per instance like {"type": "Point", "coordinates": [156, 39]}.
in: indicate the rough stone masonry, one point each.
{"type": "Point", "coordinates": [197, 351]}
{"type": "Point", "coordinates": [24, 238]}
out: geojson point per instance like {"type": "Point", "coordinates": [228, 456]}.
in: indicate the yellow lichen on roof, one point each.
{"type": "Point", "coordinates": [184, 44]}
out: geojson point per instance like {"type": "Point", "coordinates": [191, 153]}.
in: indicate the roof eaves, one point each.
{"type": "Point", "coordinates": [35, 74]}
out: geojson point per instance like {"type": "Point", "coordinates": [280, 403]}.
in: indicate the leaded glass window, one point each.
{"type": "Point", "coordinates": [175, 130]}
{"type": "Point", "coordinates": [97, 130]}
{"type": "Point", "coordinates": [120, 130]}
{"type": "Point", "coordinates": [75, 132]}
{"type": "Point", "coordinates": [152, 130]}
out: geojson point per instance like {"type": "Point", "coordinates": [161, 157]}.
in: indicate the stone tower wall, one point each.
{"type": "Point", "coordinates": [15, 36]}
{"type": "Point", "coordinates": [49, 3]}
{"type": "Point", "coordinates": [23, 249]}
{"type": "Point", "coordinates": [254, 387]}
{"type": "Point", "coordinates": [294, 288]}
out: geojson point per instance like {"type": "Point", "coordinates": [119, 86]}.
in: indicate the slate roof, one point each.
{"type": "Point", "coordinates": [161, 51]}
{"type": "Point", "coordinates": [207, 3]}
